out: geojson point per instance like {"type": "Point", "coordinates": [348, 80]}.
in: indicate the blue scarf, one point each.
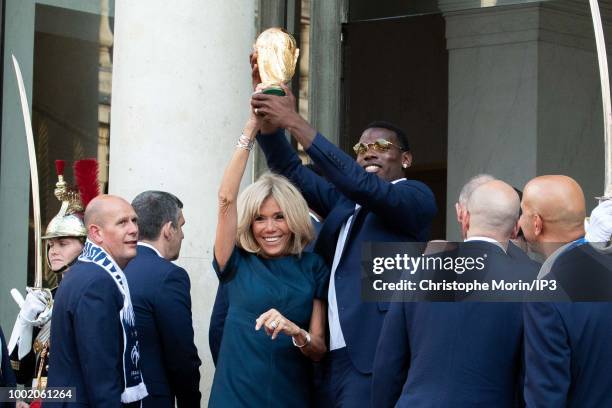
{"type": "Point", "coordinates": [135, 388]}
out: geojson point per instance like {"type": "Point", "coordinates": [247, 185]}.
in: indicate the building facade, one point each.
{"type": "Point", "coordinates": [158, 91]}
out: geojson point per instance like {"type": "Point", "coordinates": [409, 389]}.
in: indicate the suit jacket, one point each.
{"type": "Point", "coordinates": [389, 213]}
{"type": "Point", "coordinates": [567, 345]}
{"type": "Point", "coordinates": [455, 354]}
{"type": "Point", "coordinates": [87, 338]}
{"type": "Point", "coordinates": [160, 292]}
{"type": "Point", "coordinates": [516, 252]}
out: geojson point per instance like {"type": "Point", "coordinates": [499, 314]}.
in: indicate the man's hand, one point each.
{"type": "Point", "coordinates": [278, 111]}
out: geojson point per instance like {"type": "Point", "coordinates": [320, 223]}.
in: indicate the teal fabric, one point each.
{"type": "Point", "coordinates": [252, 369]}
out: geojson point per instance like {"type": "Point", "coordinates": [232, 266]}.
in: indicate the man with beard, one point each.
{"type": "Point", "coordinates": [567, 354]}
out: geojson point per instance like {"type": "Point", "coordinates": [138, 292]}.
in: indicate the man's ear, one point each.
{"type": "Point", "coordinates": [459, 212]}
{"type": "Point", "coordinates": [95, 233]}
{"type": "Point", "coordinates": [538, 225]}
{"type": "Point", "coordinates": [515, 231]}
{"type": "Point", "coordinates": [465, 223]}
{"type": "Point", "coordinates": [168, 230]}
{"type": "Point", "coordinates": [406, 160]}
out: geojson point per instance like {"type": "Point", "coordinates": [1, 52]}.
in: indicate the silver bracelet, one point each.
{"type": "Point", "coordinates": [308, 339]}
{"type": "Point", "coordinates": [245, 143]}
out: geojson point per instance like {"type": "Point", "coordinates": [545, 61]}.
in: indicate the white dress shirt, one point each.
{"type": "Point", "coordinates": [486, 239]}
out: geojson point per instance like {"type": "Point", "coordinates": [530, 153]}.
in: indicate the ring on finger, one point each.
{"type": "Point", "coordinates": [257, 111]}
{"type": "Point", "coordinates": [274, 324]}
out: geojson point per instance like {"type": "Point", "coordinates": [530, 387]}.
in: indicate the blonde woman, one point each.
{"type": "Point", "coordinates": [276, 317]}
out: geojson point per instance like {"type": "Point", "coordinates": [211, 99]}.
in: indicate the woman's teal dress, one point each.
{"type": "Point", "coordinates": [253, 370]}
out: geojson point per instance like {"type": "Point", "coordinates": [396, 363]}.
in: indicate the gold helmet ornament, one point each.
{"type": "Point", "coordinates": [69, 220]}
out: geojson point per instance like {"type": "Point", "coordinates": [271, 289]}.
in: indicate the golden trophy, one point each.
{"type": "Point", "coordinates": [277, 55]}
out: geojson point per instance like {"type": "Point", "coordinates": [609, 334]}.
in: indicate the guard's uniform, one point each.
{"type": "Point", "coordinates": [31, 370]}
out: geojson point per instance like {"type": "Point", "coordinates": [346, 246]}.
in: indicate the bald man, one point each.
{"type": "Point", "coordinates": [491, 214]}
{"type": "Point", "coordinates": [460, 354]}
{"type": "Point", "coordinates": [95, 348]}
{"type": "Point", "coordinates": [567, 349]}
{"type": "Point", "coordinates": [466, 191]}
{"type": "Point", "coordinates": [553, 213]}
{"type": "Point", "coordinates": [461, 210]}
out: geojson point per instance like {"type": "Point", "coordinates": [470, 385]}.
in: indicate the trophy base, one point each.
{"type": "Point", "coordinates": [274, 90]}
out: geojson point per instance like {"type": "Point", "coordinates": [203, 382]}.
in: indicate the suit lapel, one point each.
{"type": "Point", "coordinates": [328, 236]}
{"type": "Point", "coordinates": [357, 219]}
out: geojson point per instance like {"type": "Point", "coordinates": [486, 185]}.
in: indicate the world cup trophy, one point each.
{"type": "Point", "coordinates": [277, 55]}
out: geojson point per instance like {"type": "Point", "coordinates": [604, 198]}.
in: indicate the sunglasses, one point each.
{"type": "Point", "coordinates": [380, 145]}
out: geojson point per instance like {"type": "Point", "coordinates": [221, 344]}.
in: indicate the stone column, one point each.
{"type": "Point", "coordinates": [181, 88]}
{"type": "Point", "coordinates": [326, 18]}
{"type": "Point", "coordinates": [524, 97]}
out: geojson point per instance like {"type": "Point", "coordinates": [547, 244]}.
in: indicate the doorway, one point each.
{"type": "Point", "coordinates": [396, 69]}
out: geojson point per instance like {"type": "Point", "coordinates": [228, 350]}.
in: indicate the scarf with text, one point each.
{"type": "Point", "coordinates": [135, 388]}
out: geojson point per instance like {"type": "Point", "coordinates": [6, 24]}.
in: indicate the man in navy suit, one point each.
{"type": "Point", "coordinates": [567, 347]}
{"type": "Point", "coordinates": [461, 208]}
{"type": "Point", "coordinates": [465, 193]}
{"type": "Point", "coordinates": [162, 303]}
{"type": "Point", "coordinates": [363, 199]}
{"type": "Point", "coordinates": [461, 354]}
{"type": "Point", "coordinates": [95, 346]}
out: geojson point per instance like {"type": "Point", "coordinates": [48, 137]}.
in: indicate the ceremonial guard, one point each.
{"type": "Point", "coordinates": [64, 239]}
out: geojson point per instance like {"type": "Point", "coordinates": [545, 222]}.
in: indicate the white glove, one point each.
{"type": "Point", "coordinates": [33, 306]}
{"type": "Point", "coordinates": [599, 227]}
{"type": "Point", "coordinates": [35, 311]}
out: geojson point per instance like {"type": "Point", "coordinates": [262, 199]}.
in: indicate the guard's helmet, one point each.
{"type": "Point", "coordinates": [69, 220]}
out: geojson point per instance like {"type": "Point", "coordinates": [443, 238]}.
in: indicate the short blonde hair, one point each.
{"type": "Point", "coordinates": [290, 201]}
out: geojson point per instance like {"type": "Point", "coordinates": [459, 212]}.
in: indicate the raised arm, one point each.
{"type": "Point", "coordinates": [409, 205]}
{"type": "Point", "coordinates": [225, 238]}
{"type": "Point", "coordinates": [320, 195]}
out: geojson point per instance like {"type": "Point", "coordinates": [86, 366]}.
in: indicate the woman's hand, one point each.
{"type": "Point", "coordinates": [255, 115]}
{"type": "Point", "coordinates": [255, 78]}
{"type": "Point", "coordinates": [274, 323]}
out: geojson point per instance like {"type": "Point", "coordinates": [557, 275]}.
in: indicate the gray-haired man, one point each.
{"type": "Point", "coordinates": [162, 303]}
